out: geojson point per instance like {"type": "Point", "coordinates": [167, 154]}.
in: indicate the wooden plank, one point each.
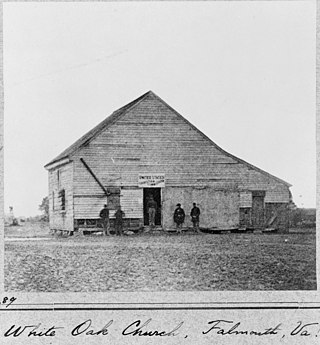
{"type": "Point", "coordinates": [132, 203]}
{"type": "Point", "coordinates": [94, 176]}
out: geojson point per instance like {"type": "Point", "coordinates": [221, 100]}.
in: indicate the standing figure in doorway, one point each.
{"type": "Point", "coordinates": [119, 221]}
{"type": "Point", "coordinates": [104, 216]}
{"type": "Point", "coordinates": [195, 213]}
{"type": "Point", "coordinates": [178, 217]}
{"type": "Point", "coordinates": [152, 209]}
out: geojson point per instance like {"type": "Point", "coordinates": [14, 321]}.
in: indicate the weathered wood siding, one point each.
{"type": "Point", "coordinates": [254, 180]}
{"type": "Point", "coordinates": [89, 207]}
{"type": "Point", "coordinates": [219, 208]}
{"type": "Point", "coordinates": [152, 138]}
{"type": "Point", "coordinates": [61, 219]}
{"type": "Point", "coordinates": [275, 192]}
{"type": "Point", "coordinates": [131, 201]}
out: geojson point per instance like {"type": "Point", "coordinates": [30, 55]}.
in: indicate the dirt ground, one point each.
{"type": "Point", "coordinates": [28, 229]}
{"type": "Point", "coordinates": [160, 262]}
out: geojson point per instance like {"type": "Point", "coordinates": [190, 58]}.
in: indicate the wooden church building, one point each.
{"type": "Point", "coordinates": [146, 148]}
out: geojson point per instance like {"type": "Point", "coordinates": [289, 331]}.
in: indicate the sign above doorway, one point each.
{"type": "Point", "coordinates": [151, 180]}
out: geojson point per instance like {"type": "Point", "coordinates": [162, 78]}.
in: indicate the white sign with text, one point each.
{"type": "Point", "coordinates": [151, 180]}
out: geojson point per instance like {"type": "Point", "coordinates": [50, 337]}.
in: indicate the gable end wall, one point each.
{"type": "Point", "coordinates": [151, 138]}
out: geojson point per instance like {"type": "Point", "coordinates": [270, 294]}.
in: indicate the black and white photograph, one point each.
{"type": "Point", "coordinates": [159, 146]}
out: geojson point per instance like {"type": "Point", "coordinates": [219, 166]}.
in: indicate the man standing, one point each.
{"type": "Point", "coordinates": [178, 218]}
{"type": "Point", "coordinates": [195, 213]}
{"type": "Point", "coordinates": [104, 216]}
{"type": "Point", "coordinates": [152, 208]}
{"type": "Point", "coordinates": [119, 221]}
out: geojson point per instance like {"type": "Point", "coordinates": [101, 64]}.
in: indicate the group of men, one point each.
{"type": "Point", "coordinates": [178, 217]}
{"type": "Point", "coordinates": [118, 222]}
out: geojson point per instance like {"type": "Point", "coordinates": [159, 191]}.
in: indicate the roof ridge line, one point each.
{"type": "Point", "coordinates": [221, 149]}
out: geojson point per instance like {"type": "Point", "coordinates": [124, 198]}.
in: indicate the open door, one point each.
{"type": "Point", "coordinates": [156, 194]}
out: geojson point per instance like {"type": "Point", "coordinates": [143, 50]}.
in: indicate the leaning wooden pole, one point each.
{"type": "Point", "coordinates": [94, 176]}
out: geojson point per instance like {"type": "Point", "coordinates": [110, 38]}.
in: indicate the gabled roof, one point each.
{"type": "Point", "coordinates": [85, 139]}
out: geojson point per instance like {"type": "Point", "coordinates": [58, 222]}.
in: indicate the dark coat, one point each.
{"type": "Point", "coordinates": [195, 213]}
{"type": "Point", "coordinates": [119, 216]}
{"type": "Point", "coordinates": [179, 216]}
{"type": "Point", "coordinates": [104, 214]}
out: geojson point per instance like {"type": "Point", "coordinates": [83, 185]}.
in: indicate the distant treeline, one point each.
{"type": "Point", "coordinates": [303, 217]}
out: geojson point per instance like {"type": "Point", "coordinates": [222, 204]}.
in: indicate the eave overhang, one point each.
{"type": "Point", "coordinates": [57, 163]}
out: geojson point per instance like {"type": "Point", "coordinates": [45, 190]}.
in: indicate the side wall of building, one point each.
{"type": "Point", "coordinates": [61, 197]}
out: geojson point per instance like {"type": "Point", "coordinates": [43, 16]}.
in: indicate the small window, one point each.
{"type": "Point", "coordinates": [53, 201]}
{"type": "Point", "coordinates": [62, 197]}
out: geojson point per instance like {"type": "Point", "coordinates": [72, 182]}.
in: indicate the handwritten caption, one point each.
{"type": "Point", "coordinates": [7, 301]}
{"type": "Point", "coordinates": [148, 328]}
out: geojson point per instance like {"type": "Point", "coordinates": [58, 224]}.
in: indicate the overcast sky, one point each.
{"type": "Point", "coordinates": [241, 72]}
